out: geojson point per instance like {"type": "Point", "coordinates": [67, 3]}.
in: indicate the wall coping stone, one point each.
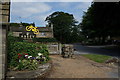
{"type": "Point", "coordinates": [41, 72]}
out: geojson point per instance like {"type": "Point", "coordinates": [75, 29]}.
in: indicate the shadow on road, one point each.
{"type": "Point", "coordinates": [80, 49]}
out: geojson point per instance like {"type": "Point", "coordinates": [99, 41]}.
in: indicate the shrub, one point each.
{"type": "Point", "coordinates": [27, 64]}
{"type": "Point", "coordinates": [32, 49]}
{"type": "Point", "coordinates": [14, 39]}
{"type": "Point", "coordinates": [44, 40]}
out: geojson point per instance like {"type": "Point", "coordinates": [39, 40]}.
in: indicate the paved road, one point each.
{"type": "Point", "coordinates": [95, 50]}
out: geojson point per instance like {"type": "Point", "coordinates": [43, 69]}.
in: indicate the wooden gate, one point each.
{"type": "Point", "coordinates": [54, 48]}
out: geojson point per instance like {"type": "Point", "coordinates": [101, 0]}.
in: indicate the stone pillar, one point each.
{"type": "Point", "coordinates": [4, 51]}
{"type": "Point", "coordinates": [1, 52]}
{"type": "Point", "coordinates": [60, 48]}
{"type": "Point", "coordinates": [4, 24]}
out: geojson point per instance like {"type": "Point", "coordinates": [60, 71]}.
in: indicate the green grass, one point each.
{"type": "Point", "coordinates": [96, 57]}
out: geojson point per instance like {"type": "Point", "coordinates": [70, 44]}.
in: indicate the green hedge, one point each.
{"type": "Point", "coordinates": [44, 40]}
{"type": "Point", "coordinates": [15, 39]}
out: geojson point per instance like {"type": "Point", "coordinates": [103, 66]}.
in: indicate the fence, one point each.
{"type": "Point", "coordinates": [54, 48]}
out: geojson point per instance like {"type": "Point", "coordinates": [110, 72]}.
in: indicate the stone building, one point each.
{"type": "Point", "coordinates": [20, 31]}
{"type": "Point", "coordinates": [45, 32]}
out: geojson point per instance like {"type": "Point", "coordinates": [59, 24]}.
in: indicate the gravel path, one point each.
{"type": "Point", "coordinates": [78, 67]}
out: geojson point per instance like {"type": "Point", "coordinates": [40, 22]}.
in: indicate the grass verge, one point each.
{"type": "Point", "coordinates": [96, 57]}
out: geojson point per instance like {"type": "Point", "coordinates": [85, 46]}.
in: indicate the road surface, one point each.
{"type": "Point", "coordinates": [80, 49]}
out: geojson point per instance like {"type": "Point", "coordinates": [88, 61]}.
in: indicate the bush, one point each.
{"type": "Point", "coordinates": [27, 64]}
{"type": "Point", "coordinates": [15, 39]}
{"type": "Point", "coordinates": [44, 40]}
{"type": "Point", "coordinates": [32, 49]}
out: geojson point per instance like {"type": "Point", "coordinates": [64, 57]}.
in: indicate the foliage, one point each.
{"type": "Point", "coordinates": [27, 64]}
{"type": "Point", "coordinates": [44, 40]}
{"type": "Point", "coordinates": [101, 20]}
{"type": "Point", "coordinates": [75, 35]}
{"type": "Point", "coordinates": [14, 39]}
{"type": "Point", "coordinates": [97, 57]}
{"type": "Point", "coordinates": [10, 33]}
{"type": "Point", "coordinates": [63, 23]}
{"type": "Point", "coordinates": [32, 49]}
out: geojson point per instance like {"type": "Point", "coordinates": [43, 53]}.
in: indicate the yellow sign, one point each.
{"type": "Point", "coordinates": [32, 28]}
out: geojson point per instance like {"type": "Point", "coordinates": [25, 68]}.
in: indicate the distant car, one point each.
{"type": "Point", "coordinates": [117, 42]}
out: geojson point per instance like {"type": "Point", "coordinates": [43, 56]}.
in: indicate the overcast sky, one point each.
{"type": "Point", "coordinates": [37, 11]}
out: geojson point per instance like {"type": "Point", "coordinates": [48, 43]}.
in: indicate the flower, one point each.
{"type": "Point", "coordinates": [44, 57]}
{"type": "Point", "coordinates": [25, 53]}
{"type": "Point", "coordinates": [19, 55]}
{"type": "Point", "coordinates": [29, 57]}
{"type": "Point", "coordinates": [26, 56]}
{"type": "Point", "coordinates": [32, 57]}
{"type": "Point", "coordinates": [19, 60]}
{"type": "Point", "coordinates": [39, 54]}
{"type": "Point", "coordinates": [37, 57]}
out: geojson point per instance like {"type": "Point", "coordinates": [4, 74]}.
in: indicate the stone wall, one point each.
{"type": "Point", "coordinates": [42, 71]}
{"type": "Point", "coordinates": [4, 21]}
{"type": "Point", "coordinates": [47, 35]}
{"type": "Point", "coordinates": [16, 34]}
{"type": "Point", "coordinates": [4, 12]}
{"type": "Point", "coordinates": [53, 47]}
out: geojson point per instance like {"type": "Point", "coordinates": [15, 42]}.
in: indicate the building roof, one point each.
{"type": "Point", "coordinates": [45, 29]}
{"type": "Point", "coordinates": [22, 29]}
{"type": "Point", "coordinates": [17, 29]}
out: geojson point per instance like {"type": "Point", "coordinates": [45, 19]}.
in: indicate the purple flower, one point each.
{"type": "Point", "coordinates": [32, 57]}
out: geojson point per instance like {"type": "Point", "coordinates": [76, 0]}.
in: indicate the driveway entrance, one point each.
{"type": "Point", "coordinates": [80, 67]}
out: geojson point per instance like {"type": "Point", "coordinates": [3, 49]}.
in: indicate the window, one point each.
{"type": "Point", "coordinates": [43, 34]}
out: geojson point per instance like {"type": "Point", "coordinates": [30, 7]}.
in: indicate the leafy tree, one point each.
{"type": "Point", "coordinates": [75, 34]}
{"type": "Point", "coordinates": [101, 20]}
{"type": "Point", "coordinates": [62, 25]}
